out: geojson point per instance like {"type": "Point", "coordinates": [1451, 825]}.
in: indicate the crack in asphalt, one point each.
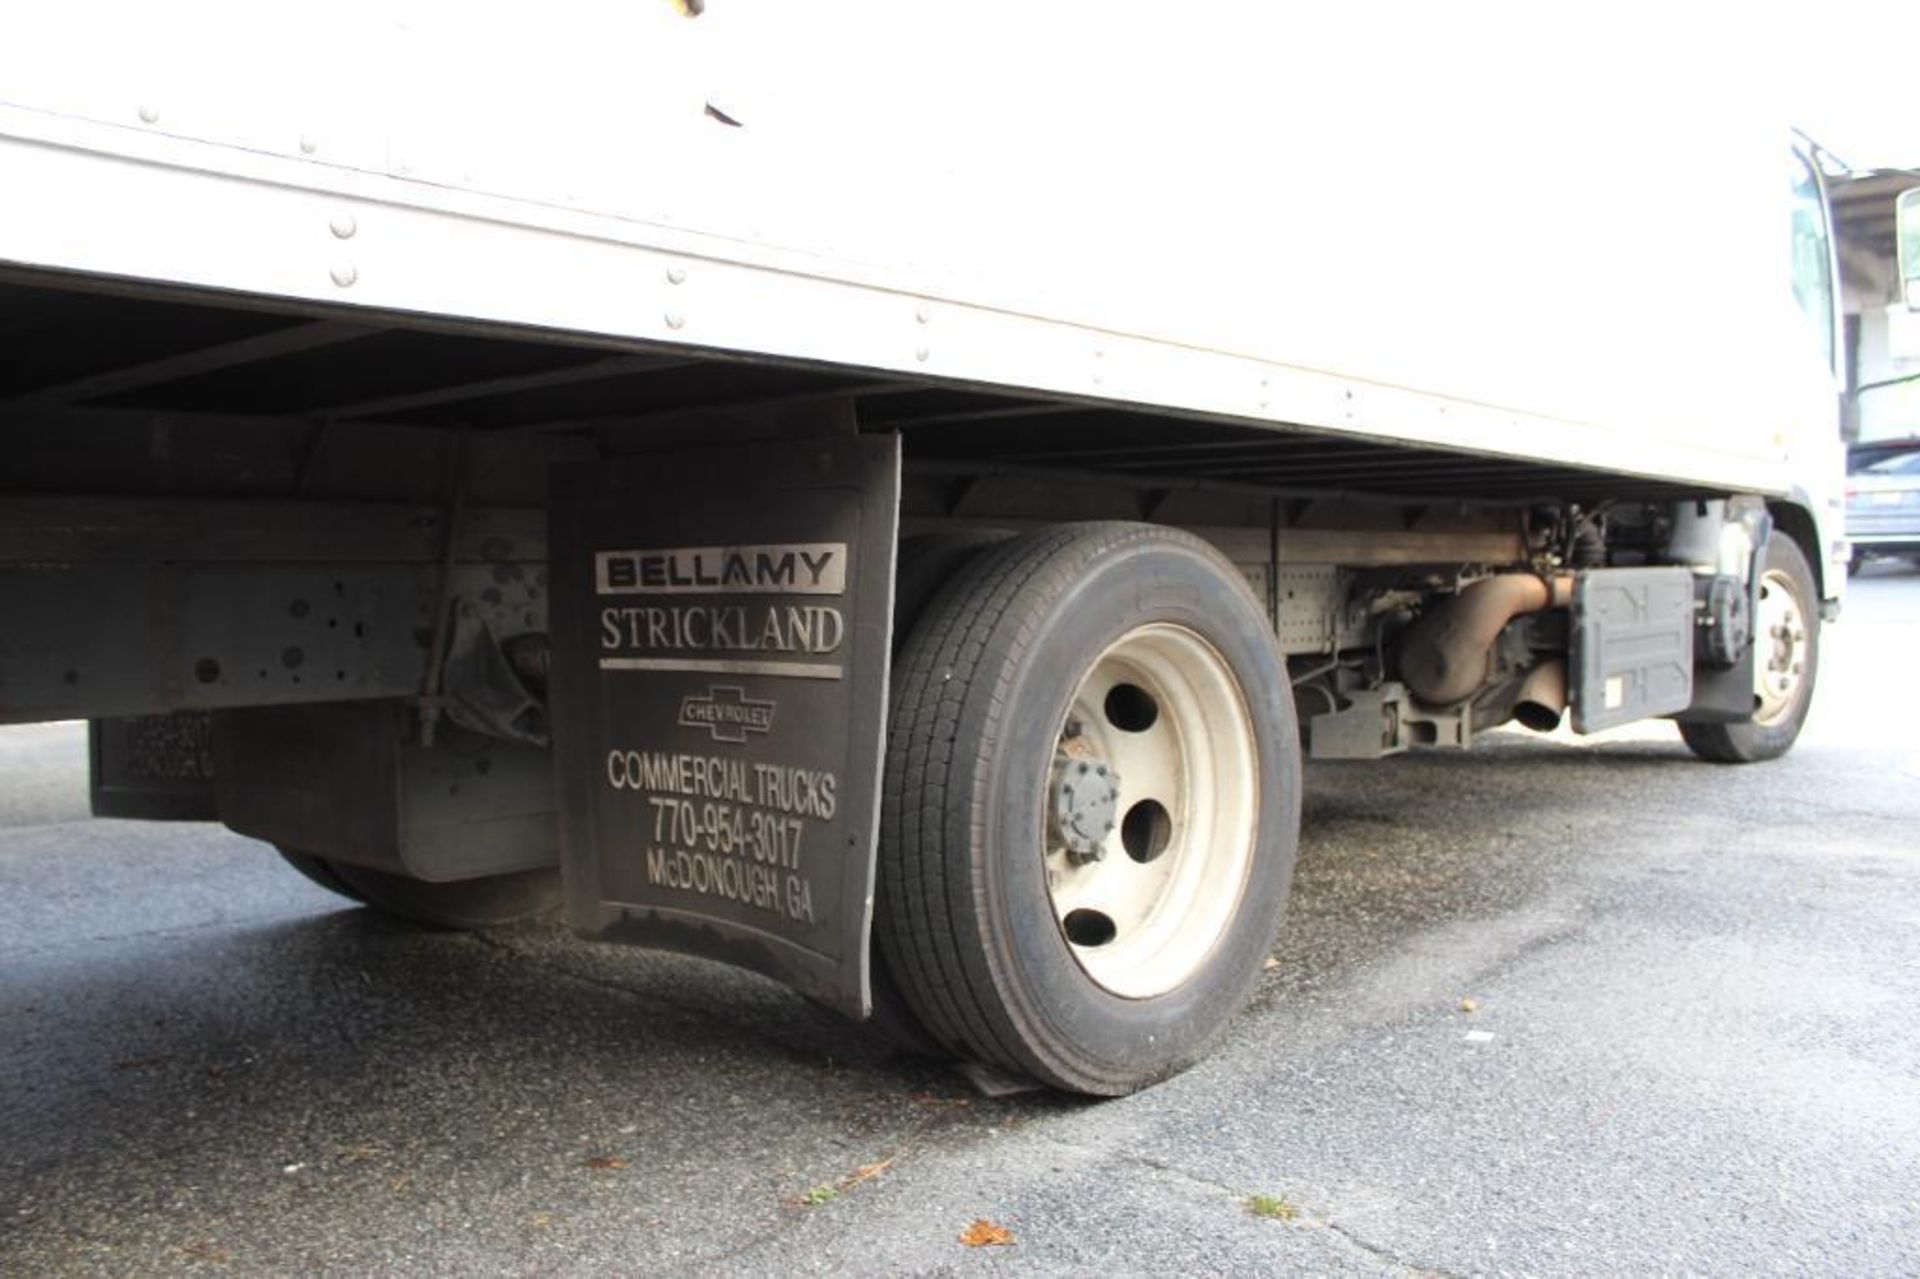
{"type": "Point", "coordinates": [1376, 1251]}
{"type": "Point", "coordinates": [1343, 1233]}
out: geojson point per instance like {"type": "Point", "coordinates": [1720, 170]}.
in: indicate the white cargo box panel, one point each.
{"type": "Point", "coordinates": [1392, 224]}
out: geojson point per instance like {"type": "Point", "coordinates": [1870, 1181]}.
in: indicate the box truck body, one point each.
{"type": "Point", "coordinates": [887, 498]}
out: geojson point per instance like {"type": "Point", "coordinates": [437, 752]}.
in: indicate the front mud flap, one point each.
{"type": "Point", "coordinates": [721, 631]}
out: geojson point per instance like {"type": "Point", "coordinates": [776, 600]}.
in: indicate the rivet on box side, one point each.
{"type": "Point", "coordinates": [343, 226]}
{"type": "Point", "coordinates": [344, 274]}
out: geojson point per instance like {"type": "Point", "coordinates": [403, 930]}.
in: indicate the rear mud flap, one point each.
{"type": "Point", "coordinates": [721, 630]}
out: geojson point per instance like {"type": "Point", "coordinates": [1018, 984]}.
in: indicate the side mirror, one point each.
{"type": "Point", "coordinates": [1907, 218]}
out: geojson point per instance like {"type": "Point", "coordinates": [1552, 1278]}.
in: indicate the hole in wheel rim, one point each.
{"type": "Point", "coordinates": [1146, 830]}
{"type": "Point", "coordinates": [1089, 927]}
{"type": "Point", "coordinates": [1199, 759]}
{"type": "Point", "coordinates": [1130, 708]}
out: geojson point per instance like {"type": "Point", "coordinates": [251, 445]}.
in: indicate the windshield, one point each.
{"type": "Point", "coordinates": [1898, 464]}
{"type": "Point", "coordinates": [1812, 255]}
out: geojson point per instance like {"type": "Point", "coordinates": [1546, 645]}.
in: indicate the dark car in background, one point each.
{"type": "Point", "coordinates": [1883, 502]}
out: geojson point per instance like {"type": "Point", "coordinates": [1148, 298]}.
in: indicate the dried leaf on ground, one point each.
{"type": "Point", "coordinates": [606, 1163]}
{"type": "Point", "coordinates": [867, 1172]}
{"type": "Point", "coordinates": [833, 1190]}
{"type": "Point", "coordinates": [985, 1234]}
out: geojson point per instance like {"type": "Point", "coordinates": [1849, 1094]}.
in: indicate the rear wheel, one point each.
{"type": "Point", "coordinates": [1786, 661]}
{"type": "Point", "coordinates": [321, 872]}
{"type": "Point", "coordinates": [1091, 806]}
{"type": "Point", "coordinates": [489, 902]}
{"type": "Point", "coordinates": [927, 561]}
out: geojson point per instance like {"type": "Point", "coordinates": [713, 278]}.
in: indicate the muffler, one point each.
{"type": "Point", "coordinates": [1447, 655]}
{"type": "Point", "coordinates": [1543, 696]}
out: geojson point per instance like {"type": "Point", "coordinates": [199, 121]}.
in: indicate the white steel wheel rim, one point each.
{"type": "Point", "coordinates": [1780, 662]}
{"type": "Point", "coordinates": [1168, 889]}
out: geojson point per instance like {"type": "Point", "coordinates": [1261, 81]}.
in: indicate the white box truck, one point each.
{"type": "Point", "coordinates": [890, 497]}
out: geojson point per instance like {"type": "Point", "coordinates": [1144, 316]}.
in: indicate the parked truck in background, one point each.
{"type": "Point", "coordinates": [889, 500]}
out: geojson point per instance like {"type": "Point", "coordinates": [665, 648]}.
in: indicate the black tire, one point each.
{"type": "Point", "coordinates": [321, 872]}
{"type": "Point", "coordinates": [465, 904]}
{"type": "Point", "coordinates": [1750, 741]}
{"type": "Point", "coordinates": [983, 683]}
{"type": "Point", "coordinates": [927, 561]}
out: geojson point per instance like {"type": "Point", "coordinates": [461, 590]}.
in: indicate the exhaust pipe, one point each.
{"type": "Point", "coordinates": [1447, 655]}
{"type": "Point", "coordinates": [1543, 696]}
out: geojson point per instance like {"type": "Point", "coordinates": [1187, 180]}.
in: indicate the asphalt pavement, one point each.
{"type": "Point", "coordinates": [1554, 1006]}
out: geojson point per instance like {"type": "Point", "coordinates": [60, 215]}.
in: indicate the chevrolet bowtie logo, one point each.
{"type": "Point", "coordinates": [726, 712]}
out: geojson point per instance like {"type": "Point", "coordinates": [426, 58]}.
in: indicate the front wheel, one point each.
{"type": "Point", "coordinates": [1786, 659]}
{"type": "Point", "coordinates": [1091, 806]}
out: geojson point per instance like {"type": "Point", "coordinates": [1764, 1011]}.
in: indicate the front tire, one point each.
{"type": "Point", "coordinates": [1786, 662]}
{"type": "Point", "coordinates": [1091, 806]}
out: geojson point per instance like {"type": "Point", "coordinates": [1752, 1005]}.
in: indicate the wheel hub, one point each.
{"type": "Point", "coordinates": [1782, 658]}
{"type": "Point", "coordinates": [1086, 801]}
{"type": "Point", "coordinates": [1145, 881]}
